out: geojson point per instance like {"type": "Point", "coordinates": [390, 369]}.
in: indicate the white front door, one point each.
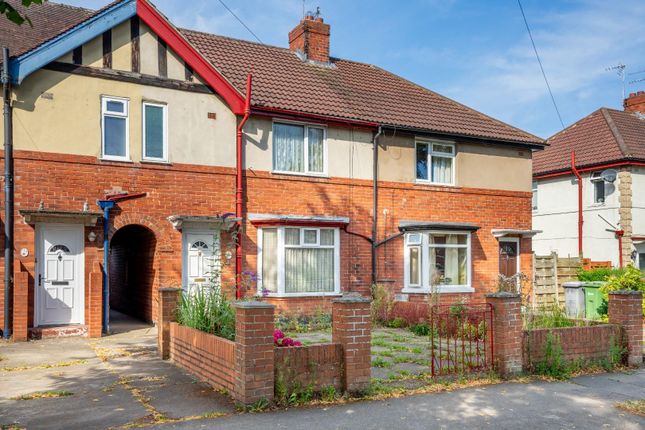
{"type": "Point", "coordinates": [201, 266]}
{"type": "Point", "coordinates": [60, 285]}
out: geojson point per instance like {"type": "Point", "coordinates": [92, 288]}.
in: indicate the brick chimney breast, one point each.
{"type": "Point", "coordinates": [311, 38]}
{"type": "Point", "coordinates": [635, 102]}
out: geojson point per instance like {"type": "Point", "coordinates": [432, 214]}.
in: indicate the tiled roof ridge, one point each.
{"type": "Point", "coordinates": [618, 137]}
{"type": "Point", "coordinates": [70, 6]}
{"type": "Point", "coordinates": [574, 124]}
{"type": "Point", "coordinates": [422, 88]}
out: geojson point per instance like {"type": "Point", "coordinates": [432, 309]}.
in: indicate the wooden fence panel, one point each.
{"type": "Point", "coordinates": [550, 273]}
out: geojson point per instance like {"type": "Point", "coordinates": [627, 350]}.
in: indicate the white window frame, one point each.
{"type": "Point", "coordinates": [164, 106]}
{"type": "Point", "coordinates": [306, 171]}
{"type": "Point", "coordinates": [595, 178]}
{"type": "Point", "coordinates": [105, 113]}
{"type": "Point", "coordinates": [280, 259]}
{"type": "Point", "coordinates": [425, 286]}
{"type": "Point", "coordinates": [431, 144]}
{"type": "Point", "coordinates": [534, 196]}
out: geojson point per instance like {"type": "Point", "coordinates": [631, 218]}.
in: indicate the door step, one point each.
{"type": "Point", "coordinates": [58, 331]}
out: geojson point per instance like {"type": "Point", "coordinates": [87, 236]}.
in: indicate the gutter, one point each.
{"type": "Point", "coordinates": [576, 172]}
{"type": "Point", "coordinates": [239, 191]}
{"type": "Point", "coordinates": [566, 172]}
{"type": "Point", "coordinates": [8, 192]}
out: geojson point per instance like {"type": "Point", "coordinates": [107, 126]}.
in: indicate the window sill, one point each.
{"type": "Point", "coordinates": [441, 289]}
{"type": "Point", "coordinates": [306, 175]}
{"type": "Point", "coordinates": [297, 295]}
{"type": "Point", "coordinates": [117, 160]}
{"type": "Point", "coordinates": [433, 184]}
{"type": "Point", "coordinates": [150, 161]}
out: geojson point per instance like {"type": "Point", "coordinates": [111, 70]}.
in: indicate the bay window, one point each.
{"type": "Point", "coordinates": [437, 261]}
{"type": "Point", "coordinates": [299, 149]}
{"type": "Point", "coordinates": [298, 261]}
{"type": "Point", "coordinates": [435, 162]}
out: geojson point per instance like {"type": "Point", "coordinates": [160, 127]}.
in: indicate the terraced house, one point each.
{"type": "Point", "coordinates": [308, 176]}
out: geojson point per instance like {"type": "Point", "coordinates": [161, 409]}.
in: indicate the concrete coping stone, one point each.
{"type": "Point", "coordinates": [170, 289]}
{"type": "Point", "coordinates": [252, 304]}
{"type": "Point", "coordinates": [352, 298]}
{"type": "Point", "coordinates": [503, 295]}
{"type": "Point", "coordinates": [625, 293]}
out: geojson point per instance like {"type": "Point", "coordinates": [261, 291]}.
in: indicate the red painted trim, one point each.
{"type": "Point", "coordinates": [576, 172]}
{"type": "Point", "coordinates": [287, 114]}
{"type": "Point", "coordinates": [164, 29]}
{"type": "Point", "coordinates": [297, 223]}
{"type": "Point", "coordinates": [125, 196]}
{"type": "Point", "coordinates": [239, 186]}
{"type": "Point", "coordinates": [592, 168]}
{"type": "Point", "coordinates": [638, 237]}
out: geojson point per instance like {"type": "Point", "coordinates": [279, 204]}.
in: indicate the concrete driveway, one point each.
{"type": "Point", "coordinates": [112, 382]}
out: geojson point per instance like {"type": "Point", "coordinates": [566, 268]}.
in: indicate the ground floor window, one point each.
{"type": "Point", "coordinates": [437, 261]}
{"type": "Point", "coordinates": [298, 261]}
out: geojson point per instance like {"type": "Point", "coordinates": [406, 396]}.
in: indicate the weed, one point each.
{"type": "Point", "coordinates": [636, 407]}
{"type": "Point", "coordinates": [259, 406]}
{"type": "Point", "coordinates": [328, 393]}
{"type": "Point", "coordinates": [396, 323]}
{"type": "Point", "coordinates": [421, 329]}
{"type": "Point", "coordinates": [552, 364]}
{"type": "Point", "coordinates": [382, 303]}
{"type": "Point", "coordinates": [44, 395]}
{"type": "Point", "coordinates": [379, 362]}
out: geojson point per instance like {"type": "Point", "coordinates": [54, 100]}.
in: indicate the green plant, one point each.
{"type": "Point", "coordinates": [259, 406]}
{"type": "Point", "coordinates": [421, 329]}
{"type": "Point", "coordinates": [617, 352]}
{"type": "Point", "coordinates": [328, 393]}
{"type": "Point", "coordinates": [382, 303]}
{"type": "Point", "coordinates": [629, 278]}
{"type": "Point", "coordinates": [208, 310]}
{"type": "Point", "coordinates": [396, 323]}
{"type": "Point", "coordinates": [379, 362]}
{"type": "Point", "coordinates": [600, 274]}
{"type": "Point", "coordinates": [551, 316]}
{"type": "Point", "coordinates": [553, 364]}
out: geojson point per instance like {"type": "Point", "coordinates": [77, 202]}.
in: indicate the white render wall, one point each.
{"type": "Point", "coordinates": [557, 217]}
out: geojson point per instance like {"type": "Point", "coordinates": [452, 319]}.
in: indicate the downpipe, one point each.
{"type": "Point", "coordinates": [8, 192]}
{"type": "Point", "coordinates": [239, 188]}
{"type": "Point", "coordinates": [105, 206]}
{"type": "Point", "coordinates": [580, 216]}
{"type": "Point", "coordinates": [375, 202]}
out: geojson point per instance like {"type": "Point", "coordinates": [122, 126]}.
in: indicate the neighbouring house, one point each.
{"type": "Point", "coordinates": [608, 209]}
{"type": "Point", "coordinates": [333, 175]}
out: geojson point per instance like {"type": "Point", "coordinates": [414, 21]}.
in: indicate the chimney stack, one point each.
{"type": "Point", "coordinates": [311, 38]}
{"type": "Point", "coordinates": [635, 102]}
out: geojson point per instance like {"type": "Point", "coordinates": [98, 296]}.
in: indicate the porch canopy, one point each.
{"type": "Point", "coordinates": [505, 232]}
{"type": "Point", "coordinates": [434, 225]}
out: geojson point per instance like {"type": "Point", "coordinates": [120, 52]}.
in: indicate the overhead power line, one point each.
{"type": "Point", "coordinates": [528, 29]}
{"type": "Point", "coordinates": [241, 22]}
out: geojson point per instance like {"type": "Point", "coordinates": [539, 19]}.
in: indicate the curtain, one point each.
{"type": "Point", "coordinates": [270, 259]}
{"type": "Point", "coordinates": [288, 147]}
{"type": "Point", "coordinates": [315, 148]}
{"type": "Point", "coordinates": [441, 169]}
{"type": "Point", "coordinates": [309, 270]}
{"type": "Point", "coordinates": [414, 265]}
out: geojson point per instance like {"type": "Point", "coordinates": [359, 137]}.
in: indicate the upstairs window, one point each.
{"type": "Point", "coordinates": [299, 261]}
{"type": "Point", "coordinates": [155, 133]}
{"type": "Point", "coordinates": [299, 149]}
{"type": "Point", "coordinates": [598, 185]}
{"type": "Point", "coordinates": [114, 126]}
{"type": "Point", "coordinates": [435, 162]}
{"type": "Point", "coordinates": [534, 192]}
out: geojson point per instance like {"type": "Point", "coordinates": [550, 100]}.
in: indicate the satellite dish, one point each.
{"type": "Point", "coordinates": [609, 175]}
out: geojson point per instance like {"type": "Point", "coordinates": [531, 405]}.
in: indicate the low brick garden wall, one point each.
{"type": "Point", "coordinates": [590, 343]}
{"type": "Point", "coordinates": [317, 365]}
{"type": "Point", "coordinates": [251, 367]}
{"type": "Point", "coordinates": [207, 356]}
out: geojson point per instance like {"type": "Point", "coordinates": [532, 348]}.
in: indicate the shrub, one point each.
{"type": "Point", "coordinates": [208, 310]}
{"type": "Point", "coordinates": [382, 303]}
{"type": "Point", "coordinates": [552, 316]}
{"type": "Point", "coordinates": [421, 329]}
{"type": "Point", "coordinates": [396, 323]}
{"type": "Point", "coordinates": [629, 278]}
{"type": "Point", "coordinates": [600, 274]}
{"type": "Point", "coordinates": [299, 323]}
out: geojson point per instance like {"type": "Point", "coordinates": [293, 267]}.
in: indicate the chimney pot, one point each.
{"type": "Point", "coordinates": [635, 102]}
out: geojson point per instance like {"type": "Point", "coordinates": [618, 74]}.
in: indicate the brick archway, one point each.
{"type": "Point", "coordinates": [132, 271]}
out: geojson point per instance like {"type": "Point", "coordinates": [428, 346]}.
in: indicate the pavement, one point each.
{"type": "Point", "coordinates": [112, 382]}
{"type": "Point", "coordinates": [119, 382]}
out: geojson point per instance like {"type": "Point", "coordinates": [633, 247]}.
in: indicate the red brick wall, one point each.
{"type": "Point", "coordinates": [318, 365]}
{"type": "Point", "coordinates": [626, 309]}
{"type": "Point", "coordinates": [578, 343]}
{"type": "Point", "coordinates": [65, 182]}
{"type": "Point", "coordinates": [209, 357]}
{"type": "Point", "coordinates": [311, 36]}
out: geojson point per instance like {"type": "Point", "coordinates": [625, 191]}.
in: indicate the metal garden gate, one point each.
{"type": "Point", "coordinates": [462, 338]}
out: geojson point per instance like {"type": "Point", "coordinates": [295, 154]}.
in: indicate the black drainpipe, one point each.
{"type": "Point", "coordinates": [8, 191]}
{"type": "Point", "coordinates": [375, 201]}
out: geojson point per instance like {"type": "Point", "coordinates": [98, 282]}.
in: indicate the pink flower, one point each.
{"type": "Point", "coordinates": [297, 343]}
{"type": "Point", "coordinates": [277, 334]}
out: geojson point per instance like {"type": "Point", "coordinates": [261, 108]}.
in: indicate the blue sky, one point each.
{"type": "Point", "coordinates": [474, 51]}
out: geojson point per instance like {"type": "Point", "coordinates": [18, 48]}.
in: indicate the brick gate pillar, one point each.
{"type": "Point", "coordinates": [352, 328]}
{"type": "Point", "coordinates": [254, 351]}
{"type": "Point", "coordinates": [167, 313]}
{"type": "Point", "coordinates": [507, 332]}
{"type": "Point", "coordinates": [20, 305]}
{"type": "Point", "coordinates": [626, 310]}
